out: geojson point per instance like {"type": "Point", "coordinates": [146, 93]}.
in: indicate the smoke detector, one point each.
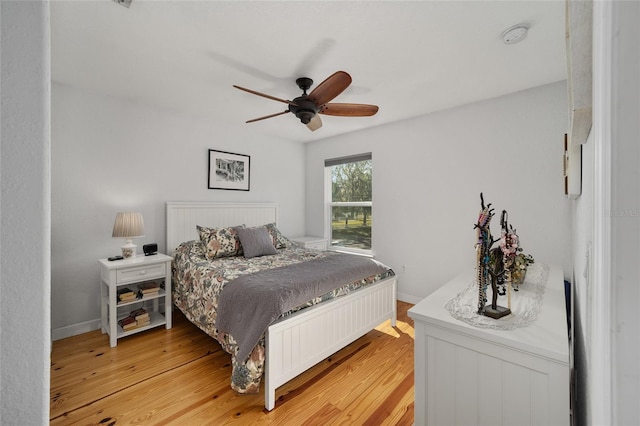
{"type": "Point", "coordinates": [515, 34]}
{"type": "Point", "coordinates": [125, 3]}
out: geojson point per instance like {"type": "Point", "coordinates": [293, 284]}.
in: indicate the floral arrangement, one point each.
{"type": "Point", "coordinates": [520, 265]}
{"type": "Point", "coordinates": [515, 262]}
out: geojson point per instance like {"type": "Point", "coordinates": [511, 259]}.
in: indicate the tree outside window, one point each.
{"type": "Point", "coordinates": [351, 203]}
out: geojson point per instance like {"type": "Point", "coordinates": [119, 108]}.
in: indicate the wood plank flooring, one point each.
{"type": "Point", "coordinates": [181, 376]}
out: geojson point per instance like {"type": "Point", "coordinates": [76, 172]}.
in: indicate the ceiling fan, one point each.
{"type": "Point", "coordinates": [307, 106]}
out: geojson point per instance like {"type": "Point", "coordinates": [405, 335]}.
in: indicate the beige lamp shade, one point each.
{"type": "Point", "coordinates": [128, 225]}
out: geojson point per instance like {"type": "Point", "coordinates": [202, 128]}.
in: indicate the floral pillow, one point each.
{"type": "Point", "coordinates": [279, 240]}
{"type": "Point", "coordinates": [220, 242]}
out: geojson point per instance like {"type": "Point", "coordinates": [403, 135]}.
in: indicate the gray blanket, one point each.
{"type": "Point", "coordinates": [250, 303]}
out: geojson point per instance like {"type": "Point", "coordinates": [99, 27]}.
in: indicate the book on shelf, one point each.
{"type": "Point", "coordinates": [127, 323]}
{"type": "Point", "coordinates": [149, 287]}
{"type": "Point", "coordinates": [143, 317]}
{"type": "Point", "coordinates": [139, 314]}
{"type": "Point", "coordinates": [143, 323]}
{"type": "Point", "coordinates": [125, 291]}
{"type": "Point", "coordinates": [136, 318]}
{"type": "Point", "coordinates": [135, 325]}
{"type": "Point", "coordinates": [125, 294]}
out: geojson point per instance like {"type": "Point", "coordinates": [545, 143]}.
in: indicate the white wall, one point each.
{"type": "Point", "coordinates": [110, 155]}
{"type": "Point", "coordinates": [428, 175]}
{"type": "Point", "coordinates": [24, 213]}
{"type": "Point", "coordinates": [582, 279]}
{"type": "Point", "coordinates": [625, 213]}
{"type": "Point", "coordinates": [607, 272]}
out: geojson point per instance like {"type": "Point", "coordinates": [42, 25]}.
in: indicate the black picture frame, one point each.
{"type": "Point", "coordinates": [228, 170]}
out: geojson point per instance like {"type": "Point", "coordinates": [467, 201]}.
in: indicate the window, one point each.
{"type": "Point", "coordinates": [349, 206]}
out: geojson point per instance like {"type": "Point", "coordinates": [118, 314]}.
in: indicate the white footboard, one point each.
{"type": "Point", "coordinates": [298, 342]}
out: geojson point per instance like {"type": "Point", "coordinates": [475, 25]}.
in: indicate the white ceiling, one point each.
{"type": "Point", "coordinates": [409, 58]}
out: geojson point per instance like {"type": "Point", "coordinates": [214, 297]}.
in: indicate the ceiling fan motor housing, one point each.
{"type": "Point", "coordinates": [304, 109]}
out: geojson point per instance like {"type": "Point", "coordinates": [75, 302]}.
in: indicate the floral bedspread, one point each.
{"type": "Point", "coordinates": [198, 282]}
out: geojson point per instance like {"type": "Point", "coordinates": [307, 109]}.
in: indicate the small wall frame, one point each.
{"type": "Point", "coordinates": [228, 170]}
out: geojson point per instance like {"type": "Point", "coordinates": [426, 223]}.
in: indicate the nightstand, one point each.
{"type": "Point", "coordinates": [131, 273]}
{"type": "Point", "coordinates": [318, 243]}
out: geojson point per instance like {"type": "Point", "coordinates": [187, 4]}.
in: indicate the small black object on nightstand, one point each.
{"type": "Point", "coordinates": [150, 249]}
{"type": "Point", "coordinates": [112, 258]}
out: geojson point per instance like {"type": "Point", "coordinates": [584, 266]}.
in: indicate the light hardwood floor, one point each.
{"type": "Point", "coordinates": [181, 376]}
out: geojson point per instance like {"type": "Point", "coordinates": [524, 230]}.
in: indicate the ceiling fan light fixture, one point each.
{"type": "Point", "coordinates": [305, 116]}
{"type": "Point", "coordinates": [515, 34]}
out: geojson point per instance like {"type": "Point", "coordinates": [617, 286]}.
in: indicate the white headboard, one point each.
{"type": "Point", "coordinates": [183, 216]}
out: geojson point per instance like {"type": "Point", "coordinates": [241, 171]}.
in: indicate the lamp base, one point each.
{"type": "Point", "coordinates": [129, 250]}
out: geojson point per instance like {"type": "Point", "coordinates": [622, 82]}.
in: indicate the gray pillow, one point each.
{"type": "Point", "coordinates": [256, 241]}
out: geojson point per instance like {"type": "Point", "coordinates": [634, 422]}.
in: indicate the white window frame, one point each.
{"type": "Point", "coordinates": [329, 204]}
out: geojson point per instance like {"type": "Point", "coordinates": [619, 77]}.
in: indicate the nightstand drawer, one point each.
{"type": "Point", "coordinates": [141, 272]}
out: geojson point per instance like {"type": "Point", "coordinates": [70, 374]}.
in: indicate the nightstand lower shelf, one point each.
{"type": "Point", "coordinates": [156, 319]}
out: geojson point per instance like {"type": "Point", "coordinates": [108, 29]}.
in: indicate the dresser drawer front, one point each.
{"type": "Point", "coordinates": [141, 273]}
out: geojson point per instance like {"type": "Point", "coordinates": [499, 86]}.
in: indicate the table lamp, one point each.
{"type": "Point", "coordinates": [128, 225]}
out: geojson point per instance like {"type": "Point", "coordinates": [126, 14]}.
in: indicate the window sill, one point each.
{"type": "Point", "coordinates": [357, 252]}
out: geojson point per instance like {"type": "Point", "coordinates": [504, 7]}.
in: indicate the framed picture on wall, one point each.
{"type": "Point", "coordinates": [228, 170]}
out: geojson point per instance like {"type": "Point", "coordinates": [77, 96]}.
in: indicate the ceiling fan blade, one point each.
{"type": "Point", "coordinates": [267, 116]}
{"type": "Point", "coordinates": [265, 96]}
{"type": "Point", "coordinates": [335, 84]}
{"type": "Point", "coordinates": [315, 123]}
{"type": "Point", "coordinates": [349, 110]}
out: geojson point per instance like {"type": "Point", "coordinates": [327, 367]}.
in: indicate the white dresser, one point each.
{"type": "Point", "coordinates": [466, 375]}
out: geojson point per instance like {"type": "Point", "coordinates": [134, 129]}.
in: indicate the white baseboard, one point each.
{"type": "Point", "coordinates": [75, 329]}
{"type": "Point", "coordinates": [403, 297]}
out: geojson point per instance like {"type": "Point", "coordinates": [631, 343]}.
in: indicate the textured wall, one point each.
{"type": "Point", "coordinates": [25, 213]}
{"type": "Point", "coordinates": [625, 213]}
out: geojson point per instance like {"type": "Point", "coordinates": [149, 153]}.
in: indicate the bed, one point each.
{"type": "Point", "coordinates": [300, 337]}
